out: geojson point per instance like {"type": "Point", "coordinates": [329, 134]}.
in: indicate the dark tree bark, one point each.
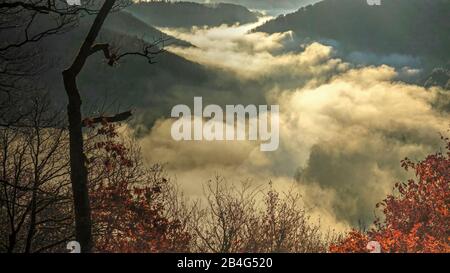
{"type": "Point", "coordinates": [78, 174]}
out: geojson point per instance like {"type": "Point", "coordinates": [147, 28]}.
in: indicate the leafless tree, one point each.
{"type": "Point", "coordinates": [249, 219]}
{"type": "Point", "coordinates": [23, 25]}
{"type": "Point", "coordinates": [220, 226]}
{"type": "Point", "coordinates": [35, 200]}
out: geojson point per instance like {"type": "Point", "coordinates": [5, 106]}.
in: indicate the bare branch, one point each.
{"type": "Point", "coordinates": [107, 119]}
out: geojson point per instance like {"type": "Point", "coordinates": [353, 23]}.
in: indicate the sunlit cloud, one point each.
{"type": "Point", "coordinates": [344, 129]}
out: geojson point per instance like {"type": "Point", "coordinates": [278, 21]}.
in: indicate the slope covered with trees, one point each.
{"type": "Point", "coordinates": [412, 27]}
{"type": "Point", "coordinates": [187, 14]}
{"type": "Point", "coordinates": [126, 24]}
{"type": "Point", "coordinates": [266, 5]}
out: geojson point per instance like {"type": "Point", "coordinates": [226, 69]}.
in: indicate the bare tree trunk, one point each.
{"type": "Point", "coordinates": [32, 227]}
{"type": "Point", "coordinates": [78, 174]}
{"type": "Point", "coordinates": [33, 212]}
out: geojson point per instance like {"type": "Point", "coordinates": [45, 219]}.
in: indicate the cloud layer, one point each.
{"type": "Point", "coordinates": [344, 129]}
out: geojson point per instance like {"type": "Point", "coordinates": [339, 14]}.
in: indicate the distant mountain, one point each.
{"type": "Point", "coordinates": [125, 23]}
{"type": "Point", "coordinates": [411, 27]}
{"type": "Point", "coordinates": [187, 14]}
{"type": "Point", "coordinates": [150, 89]}
{"type": "Point", "coordinates": [439, 77]}
{"type": "Point", "coordinates": [266, 5]}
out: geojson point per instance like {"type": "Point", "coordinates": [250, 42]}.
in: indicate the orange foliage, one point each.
{"type": "Point", "coordinates": [355, 242]}
{"type": "Point", "coordinates": [417, 219]}
{"type": "Point", "coordinates": [129, 221]}
{"type": "Point", "coordinates": [129, 216]}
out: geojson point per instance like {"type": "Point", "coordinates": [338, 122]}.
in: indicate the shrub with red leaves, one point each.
{"type": "Point", "coordinates": [127, 201]}
{"type": "Point", "coordinates": [417, 218]}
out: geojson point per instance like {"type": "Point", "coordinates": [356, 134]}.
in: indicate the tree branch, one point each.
{"type": "Point", "coordinates": [108, 119]}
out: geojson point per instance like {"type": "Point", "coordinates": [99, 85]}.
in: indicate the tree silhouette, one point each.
{"type": "Point", "coordinates": [79, 176]}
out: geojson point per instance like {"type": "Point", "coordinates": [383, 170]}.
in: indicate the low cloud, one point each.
{"type": "Point", "coordinates": [344, 129]}
{"type": "Point", "coordinates": [256, 55]}
{"type": "Point", "coordinates": [355, 129]}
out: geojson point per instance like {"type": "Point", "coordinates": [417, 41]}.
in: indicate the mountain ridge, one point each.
{"type": "Point", "coordinates": [188, 14]}
{"type": "Point", "coordinates": [412, 27]}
